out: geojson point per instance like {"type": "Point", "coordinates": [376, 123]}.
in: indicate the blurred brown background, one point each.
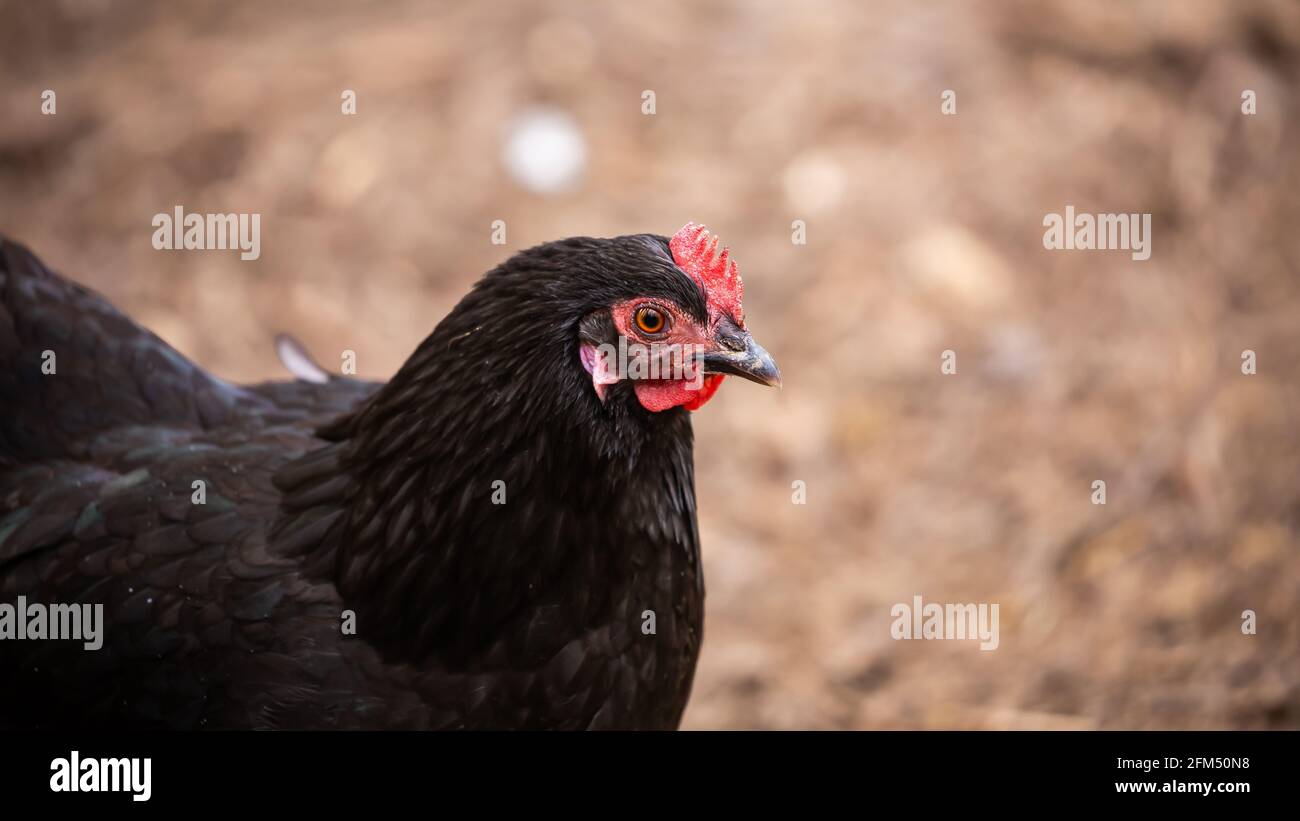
{"type": "Point", "coordinates": [924, 233]}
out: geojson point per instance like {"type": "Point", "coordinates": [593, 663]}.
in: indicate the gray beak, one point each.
{"type": "Point", "coordinates": [738, 354]}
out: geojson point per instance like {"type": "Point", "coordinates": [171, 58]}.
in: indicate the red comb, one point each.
{"type": "Point", "coordinates": [695, 252]}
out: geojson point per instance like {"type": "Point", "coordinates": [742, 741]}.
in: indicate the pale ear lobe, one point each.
{"type": "Point", "coordinates": [602, 364]}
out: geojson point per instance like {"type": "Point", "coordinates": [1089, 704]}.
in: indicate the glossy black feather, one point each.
{"type": "Point", "coordinates": [351, 496]}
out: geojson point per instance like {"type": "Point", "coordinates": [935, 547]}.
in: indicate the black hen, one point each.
{"type": "Point", "coordinates": [503, 536]}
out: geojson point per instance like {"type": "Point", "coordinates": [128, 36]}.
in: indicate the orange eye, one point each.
{"type": "Point", "coordinates": [650, 320]}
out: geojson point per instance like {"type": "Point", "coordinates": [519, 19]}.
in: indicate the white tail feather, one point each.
{"type": "Point", "coordinates": [297, 361]}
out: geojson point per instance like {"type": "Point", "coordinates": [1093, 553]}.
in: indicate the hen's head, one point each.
{"type": "Point", "coordinates": [628, 329]}
{"type": "Point", "coordinates": [671, 325]}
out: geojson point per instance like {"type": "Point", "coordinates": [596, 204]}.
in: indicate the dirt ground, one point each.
{"type": "Point", "coordinates": [924, 234]}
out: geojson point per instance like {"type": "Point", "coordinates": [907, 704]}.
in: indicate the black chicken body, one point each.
{"type": "Point", "coordinates": [513, 540]}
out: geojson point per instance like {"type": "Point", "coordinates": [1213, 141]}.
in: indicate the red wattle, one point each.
{"type": "Point", "coordinates": [657, 395]}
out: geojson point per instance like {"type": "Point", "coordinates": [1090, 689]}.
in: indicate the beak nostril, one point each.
{"type": "Point", "coordinates": [733, 343]}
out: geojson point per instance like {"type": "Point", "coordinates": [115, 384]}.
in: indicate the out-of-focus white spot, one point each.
{"type": "Point", "coordinates": [814, 181]}
{"type": "Point", "coordinates": [955, 266]}
{"type": "Point", "coordinates": [1015, 352]}
{"type": "Point", "coordinates": [545, 151]}
{"type": "Point", "coordinates": [348, 167]}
